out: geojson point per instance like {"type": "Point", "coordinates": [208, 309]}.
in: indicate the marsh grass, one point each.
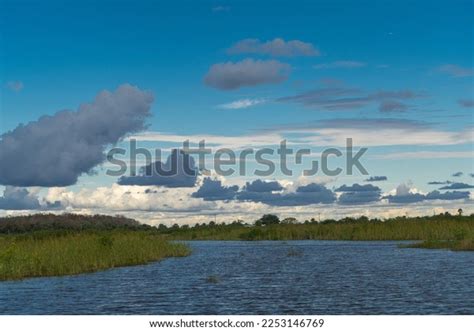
{"type": "Point", "coordinates": [55, 254]}
{"type": "Point", "coordinates": [431, 228]}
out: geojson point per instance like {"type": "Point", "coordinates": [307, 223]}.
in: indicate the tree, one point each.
{"type": "Point", "coordinates": [269, 219]}
{"type": "Point", "coordinates": [289, 220]}
{"type": "Point", "coordinates": [460, 211]}
{"type": "Point", "coordinates": [162, 227]}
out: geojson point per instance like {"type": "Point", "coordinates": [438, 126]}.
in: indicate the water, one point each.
{"type": "Point", "coordinates": [297, 277]}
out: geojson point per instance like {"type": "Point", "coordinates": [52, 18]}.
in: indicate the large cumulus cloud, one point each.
{"type": "Point", "coordinates": [55, 150]}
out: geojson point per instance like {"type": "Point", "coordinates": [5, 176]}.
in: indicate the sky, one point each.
{"type": "Point", "coordinates": [79, 78]}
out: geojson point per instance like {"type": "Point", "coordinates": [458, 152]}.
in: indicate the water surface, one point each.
{"type": "Point", "coordinates": [267, 277]}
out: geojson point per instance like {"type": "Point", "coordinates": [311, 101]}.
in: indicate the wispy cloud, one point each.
{"type": "Point", "coordinates": [275, 47]}
{"type": "Point", "coordinates": [340, 64]}
{"type": "Point", "coordinates": [388, 106]}
{"type": "Point", "coordinates": [345, 98]}
{"type": "Point", "coordinates": [467, 103]}
{"type": "Point", "coordinates": [217, 9]}
{"type": "Point", "coordinates": [390, 132]}
{"type": "Point", "coordinates": [16, 86]}
{"type": "Point", "coordinates": [242, 103]}
{"type": "Point", "coordinates": [428, 155]}
{"type": "Point", "coordinates": [455, 70]}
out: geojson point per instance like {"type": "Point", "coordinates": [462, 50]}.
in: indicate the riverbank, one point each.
{"type": "Point", "coordinates": [438, 231]}
{"type": "Point", "coordinates": [55, 253]}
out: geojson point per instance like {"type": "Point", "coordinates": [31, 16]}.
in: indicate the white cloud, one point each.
{"type": "Point", "coordinates": [175, 206]}
{"type": "Point", "coordinates": [323, 137]}
{"type": "Point", "coordinates": [242, 103]}
{"type": "Point", "coordinates": [340, 64]}
{"type": "Point", "coordinates": [128, 198]}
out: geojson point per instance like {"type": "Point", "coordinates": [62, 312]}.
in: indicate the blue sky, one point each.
{"type": "Point", "coordinates": [58, 55]}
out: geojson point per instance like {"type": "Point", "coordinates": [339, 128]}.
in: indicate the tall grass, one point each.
{"type": "Point", "coordinates": [54, 254]}
{"type": "Point", "coordinates": [451, 228]}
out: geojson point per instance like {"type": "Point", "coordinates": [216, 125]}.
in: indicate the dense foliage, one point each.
{"type": "Point", "coordinates": [67, 222]}
{"type": "Point", "coordinates": [438, 227]}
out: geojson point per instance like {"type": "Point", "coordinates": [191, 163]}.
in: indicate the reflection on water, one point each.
{"type": "Point", "coordinates": [297, 277]}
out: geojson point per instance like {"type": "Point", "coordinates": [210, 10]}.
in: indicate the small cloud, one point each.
{"type": "Point", "coordinates": [457, 186]}
{"type": "Point", "coordinates": [359, 198]}
{"type": "Point", "coordinates": [456, 71]}
{"type": "Point", "coordinates": [218, 9]}
{"type": "Point", "coordinates": [213, 190]}
{"type": "Point", "coordinates": [446, 182]}
{"type": "Point", "coordinates": [248, 72]}
{"type": "Point", "coordinates": [457, 174]}
{"type": "Point", "coordinates": [242, 103]}
{"type": "Point", "coordinates": [376, 179]}
{"type": "Point", "coordinates": [357, 194]}
{"type": "Point", "coordinates": [275, 47]}
{"type": "Point", "coordinates": [392, 106]}
{"type": "Point", "coordinates": [467, 103]}
{"type": "Point", "coordinates": [340, 64]}
{"type": "Point", "coordinates": [358, 188]}
{"type": "Point", "coordinates": [263, 186]}
{"type": "Point", "coordinates": [16, 86]}
{"type": "Point", "coordinates": [179, 170]}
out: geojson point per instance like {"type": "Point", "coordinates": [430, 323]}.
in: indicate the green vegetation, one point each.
{"type": "Point", "coordinates": [459, 230]}
{"type": "Point", "coordinates": [51, 245]}
{"type": "Point", "coordinates": [74, 249]}
{"type": "Point", "coordinates": [68, 222]}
